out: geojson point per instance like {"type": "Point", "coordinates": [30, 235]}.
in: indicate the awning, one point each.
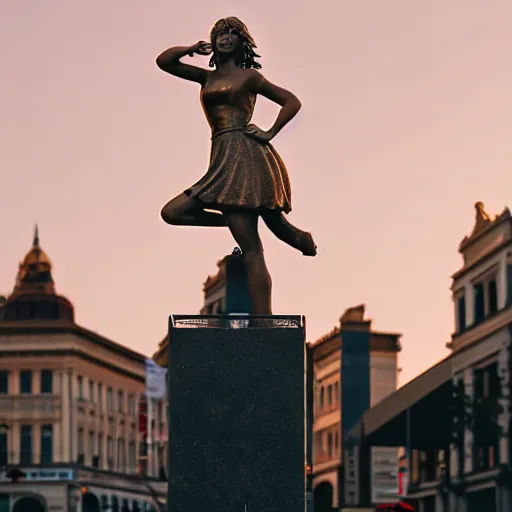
{"type": "Point", "coordinates": [425, 388]}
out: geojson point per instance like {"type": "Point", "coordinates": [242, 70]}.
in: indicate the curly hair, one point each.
{"type": "Point", "coordinates": [247, 56]}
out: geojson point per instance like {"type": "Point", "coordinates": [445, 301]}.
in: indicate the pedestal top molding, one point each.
{"type": "Point", "coordinates": [237, 321]}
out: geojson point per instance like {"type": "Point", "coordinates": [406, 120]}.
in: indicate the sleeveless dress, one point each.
{"type": "Point", "coordinates": [243, 172]}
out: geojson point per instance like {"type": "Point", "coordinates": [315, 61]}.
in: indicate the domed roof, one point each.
{"type": "Point", "coordinates": [34, 296]}
{"type": "Point", "coordinates": [35, 256]}
{"type": "Point", "coordinates": [35, 269]}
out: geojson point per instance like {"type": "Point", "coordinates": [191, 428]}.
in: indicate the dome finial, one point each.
{"type": "Point", "coordinates": [35, 243]}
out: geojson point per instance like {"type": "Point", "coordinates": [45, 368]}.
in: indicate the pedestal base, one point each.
{"type": "Point", "coordinates": [236, 414]}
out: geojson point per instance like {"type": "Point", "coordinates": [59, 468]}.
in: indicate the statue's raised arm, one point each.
{"type": "Point", "coordinates": [170, 61]}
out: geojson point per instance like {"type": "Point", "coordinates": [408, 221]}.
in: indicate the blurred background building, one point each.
{"type": "Point", "coordinates": [71, 426]}
{"type": "Point", "coordinates": [368, 389]}
{"type": "Point", "coordinates": [455, 419]}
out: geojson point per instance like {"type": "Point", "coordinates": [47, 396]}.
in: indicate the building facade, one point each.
{"type": "Point", "coordinates": [327, 424]}
{"type": "Point", "coordinates": [69, 406]}
{"type": "Point", "coordinates": [455, 419]}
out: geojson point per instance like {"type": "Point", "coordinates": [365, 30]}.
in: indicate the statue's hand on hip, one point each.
{"type": "Point", "coordinates": [255, 132]}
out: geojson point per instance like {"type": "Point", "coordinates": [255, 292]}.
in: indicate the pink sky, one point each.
{"type": "Point", "coordinates": [406, 122]}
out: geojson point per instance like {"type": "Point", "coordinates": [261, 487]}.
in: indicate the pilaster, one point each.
{"type": "Point", "coordinates": [504, 400]}
{"type": "Point", "coordinates": [36, 443]}
{"type": "Point", "coordinates": [468, 294]}
{"type": "Point", "coordinates": [455, 456]}
{"type": "Point", "coordinates": [502, 282]}
{"type": "Point", "coordinates": [15, 441]}
{"type": "Point", "coordinates": [468, 433]}
{"type": "Point", "coordinates": [503, 498]}
{"type": "Point", "coordinates": [65, 441]}
{"type": "Point", "coordinates": [36, 382]}
{"type": "Point", "coordinates": [440, 502]}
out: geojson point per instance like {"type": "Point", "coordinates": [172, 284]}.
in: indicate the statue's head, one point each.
{"type": "Point", "coordinates": [230, 38]}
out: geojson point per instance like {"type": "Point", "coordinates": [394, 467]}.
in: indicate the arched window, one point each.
{"type": "Point", "coordinates": [323, 497]}
{"type": "Point", "coordinates": [90, 503]}
{"type": "Point", "coordinates": [29, 503]}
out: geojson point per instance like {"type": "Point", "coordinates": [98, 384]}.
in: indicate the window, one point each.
{"type": "Point", "coordinates": [492, 290]}
{"type": "Point", "coordinates": [5, 502]}
{"type": "Point", "coordinates": [4, 450]}
{"type": "Point", "coordinates": [336, 441]}
{"type": "Point", "coordinates": [46, 444]}
{"type": "Point", "coordinates": [461, 313]}
{"type": "Point", "coordinates": [337, 391]}
{"type": "Point", "coordinates": [120, 401]}
{"type": "Point", "coordinates": [132, 457]}
{"type": "Point", "coordinates": [329, 394]}
{"type": "Point", "coordinates": [47, 382]}
{"type": "Point", "coordinates": [80, 380]}
{"type": "Point", "coordinates": [110, 453]}
{"type": "Point", "coordinates": [100, 396]}
{"type": "Point", "coordinates": [91, 447]}
{"type": "Point", "coordinates": [322, 397]}
{"type": "Point", "coordinates": [91, 390]}
{"type": "Point", "coordinates": [486, 410]}
{"type": "Point", "coordinates": [4, 382]}
{"type": "Point", "coordinates": [110, 399]}
{"type": "Point", "coordinates": [26, 444]}
{"type": "Point", "coordinates": [80, 442]}
{"type": "Point", "coordinates": [329, 444]}
{"type": "Point", "coordinates": [131, 404]}
{"type": "Point", "coordinates": [479, 302]}
{"type": "Point", "coordinates": [26, 382]}
{"type": "Point", "coordinates": [100, 451]}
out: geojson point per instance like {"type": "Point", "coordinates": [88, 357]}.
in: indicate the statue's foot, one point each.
{"type": "Point", "coordinates": [308, 245]}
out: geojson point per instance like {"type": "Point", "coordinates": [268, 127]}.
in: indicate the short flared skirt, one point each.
{"type": "Point", "coordinates": [243, 173]}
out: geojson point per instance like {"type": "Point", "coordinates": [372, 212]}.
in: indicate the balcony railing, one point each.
{"type": "Point", "coordinates": [30, 406]}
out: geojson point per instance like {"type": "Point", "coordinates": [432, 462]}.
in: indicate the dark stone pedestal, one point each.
{"type": "Point", "coordinates": [237, 429]}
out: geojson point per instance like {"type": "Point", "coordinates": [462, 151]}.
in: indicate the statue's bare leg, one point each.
{"type": "Point", "coordinates": [244, 228]}
{"type": "Point", "coordinates": [288, 233]}
{"type": "Point", "coordinates": [183, 210]}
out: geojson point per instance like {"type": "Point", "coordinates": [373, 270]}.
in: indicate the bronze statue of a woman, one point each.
{"type": "Point", "coordinates": [246, 178]}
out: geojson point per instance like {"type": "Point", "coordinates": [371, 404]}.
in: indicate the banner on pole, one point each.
{"type": "Point", "coordinates": [156, 380]}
